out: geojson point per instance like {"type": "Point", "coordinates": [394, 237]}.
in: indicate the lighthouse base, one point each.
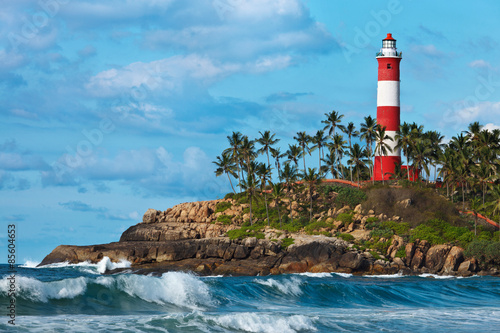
{"type": "Point", "coordinates": [384, 167]}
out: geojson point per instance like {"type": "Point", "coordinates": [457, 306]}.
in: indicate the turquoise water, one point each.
{"type": "Point", "coordinates": [78, 298]}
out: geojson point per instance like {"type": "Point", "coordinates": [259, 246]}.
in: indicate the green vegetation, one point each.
{"type": "Point", "coordinates": [286, 242]}
{"type": "Point", "coordinates": [222, 206]}
{"type": "Point", "coordinates": [346, 237]}
{"type": "Point", "coordinates": [281, 190]}
{"type": "Point", "coordinates": [225, 219]}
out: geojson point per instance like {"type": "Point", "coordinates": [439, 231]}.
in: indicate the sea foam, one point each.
{"type": "Point", "coordinates": [289, 286]}
{"type": "Point", "coordinates": [258, 322]}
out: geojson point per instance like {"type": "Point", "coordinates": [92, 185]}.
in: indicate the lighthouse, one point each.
{"type": "Point", "coordinates": [388, 111]}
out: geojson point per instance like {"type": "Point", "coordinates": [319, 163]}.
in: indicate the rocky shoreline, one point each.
{"type": "Point", "coordinates": [188, 237]}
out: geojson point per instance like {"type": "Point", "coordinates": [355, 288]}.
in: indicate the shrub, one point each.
{"type": "Point", "coordinates": [375, 255]}
{"type": "Point", "coordinates": [346, 218]}
{"type": "Point", "coordinates": [286, 242]}
{"type": "Point", "coordinates": [349, 196]}
{"type": "Point", "coordinates": [401, 253]}
{"type": "Point", "coordinates": [383, 232]}
{"type": "Point", "coordinates": [222, 206]}
{"type": "Point", "coordinates": [242, 233]}
{"type": "Point", "coordinates": [437, 231]}
{"type": "Point", "coordinates": [229, 195]}
{"type": "Point", "coordinates": [401, 228]}
{"type": "Point", "coordinates": [372, 219]}
{"type": "Point", "coordinates": [315, 226]}
{"type": "Point", "coordinates": [484, 250]}
{"type": "Point", "coordinates": [346, 237]}
{"type": "Point", "coordinates": [225, 219]}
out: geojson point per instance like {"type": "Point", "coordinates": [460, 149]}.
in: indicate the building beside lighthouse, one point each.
{"type": "Point", "coordinates": [388, 109]}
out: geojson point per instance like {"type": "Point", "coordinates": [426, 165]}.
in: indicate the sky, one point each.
{"type": "Point", "coordinates": [108, 108]}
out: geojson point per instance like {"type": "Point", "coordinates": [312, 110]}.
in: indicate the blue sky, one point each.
{"type": "Point", "coordinates": [110, 108]}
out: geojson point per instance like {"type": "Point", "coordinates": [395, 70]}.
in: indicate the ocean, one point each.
{"type": "Point", "coordinates": [79, 298]}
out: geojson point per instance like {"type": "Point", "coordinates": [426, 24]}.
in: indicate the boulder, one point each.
{"type": "Point", "coordinates": [436, 257]}
{"type": "Point", "coordinates": [453, 260]}
{"type": "Point", "coordinates": [150, 216]}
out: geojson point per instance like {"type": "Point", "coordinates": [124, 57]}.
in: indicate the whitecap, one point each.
{"type": "Point", "coordinates": [435, 276]}
{"type": "Point", "coordinates": [176, 288]}
{"type": "Point", "coordinates": [316, 275]}
{"type": "Point", "coordinates": [30, 264]}
{"type": "Point", "coordinates": [286, 286]}
{"type": "Point", "coordinates": [106, 265]}
{"type": "Point", "coordinates": [344, 275]}
{"type": "Point", "coordinates": [258, 322]}
{"type": "Point", "coordinates": [39, 291]}
{"type": "Point", "coordinates": [386, 276]}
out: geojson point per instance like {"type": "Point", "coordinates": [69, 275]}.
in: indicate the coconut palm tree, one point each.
{"type": "Point", "coordinates": [247, 152]}
{"type": "Point", "coordinates": [368, 134]}
{"type": "Point", "coordinates": [332, 121]}
{"type": "Point", "coordinates": [311, 178]}
{"type": "Point", "coordinates": [303, 140]}
{"type": "Point", "coordinates": [404, 141]}
{"type": "Point", "coordinates": [290, 176]}
{"type": "Point", "coordinates": [277, 194]}
{"type": "Point", "coordinates": [351, 132]}
{"type": "Point", "coordinates": [235, 141]}
{"type": "Point", "coordinates": [266, 140]}
{"type": "Point", "coordinates": [293, 154]}
{"type": "Point", "coordinates": [277, 155]}
{"type": "Point", "coordinates": [330, 164]}
{"type": "Point", "coordinates": [264, 173]}
{"type": "Point", "coordinates": [475, 205]}
{"type": "Point", "coordinates": [338, 147]}
{"type": "Point", "coordinates": [495, 203]}
{"type": "Point", "coordinates": [319, 141]}
{"type": "Point", "coordinates": [357, 158]}
{"type": "Point", "coordinates": [421, 156]}
{"type": "Point", "coordinates": [250, 186]}
{"type": "Point", "coordinates": [225, 164]}
{"type": "Point", "coordinates": [382, 148]}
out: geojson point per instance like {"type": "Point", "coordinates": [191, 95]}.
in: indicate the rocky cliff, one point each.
{"type": "Point", "coordinates": [189, 237]}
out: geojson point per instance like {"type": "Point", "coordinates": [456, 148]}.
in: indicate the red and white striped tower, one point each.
{"type": "Point", "coordinates": [388, 111]}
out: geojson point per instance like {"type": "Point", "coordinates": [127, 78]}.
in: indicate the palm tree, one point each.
{"type": "Point", "coordinates": [277, 194]}
{"type": "Point", "coordinates": [303, 139]}
{"type": "Point", "coordinates": [382, 148]}
{"type": "Point", "coordinates": [357, 158]}
{"type": "Point", "coordinates": [249, 185]}
{"type": "Point", "coordinates": [475, 205]}
{"type": "Point", "coordinates": [235, 141]}
{"type": "Point", "coordinates": [319, 141]}
{"type": "Point", "coordinates": [277, 155]}
{"type": "Point", "coordinates": [338, 148]}
{"type": "Point", "coordinates": [330, 163]}
{"type": "Point", "coordinates": [351, 132]}
{"type": "Point", "coordinates": [289, 175]}
{"type": "Point", "coordinates": [293, 154]}
{"type": "Point", "coordinates": [495, 203]}
{"type": "Point", "coordinates": [264, 173]}
{"type": "Point", "coordinates": [421, 156]}
{"type": "Point", "coordinates": [266, 140]}
{"type": "Point", "coordinates": [311, 178]}
{"type": "Point", "coordinates": [447, 171]}
{"type": "Point", "coordinates": [332, 121]}
{"type": "Point", "coordinates": [226, 165]}
{"type": "Point", "coordinates": [368, 134]}
{"type": "Point", "coordinates": [247, 151]}
{"type": "Point", "coordinates": [404, 141]}
{"type": "Point", "coordinates": [435, 140]}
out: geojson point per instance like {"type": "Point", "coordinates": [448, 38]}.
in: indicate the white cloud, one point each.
{"type": "Point", "coordinates": [480, 63]}
{"type": "Point", "coordinates": [491, 127]}
{"type": "Point", "coordinates": [427, 50]}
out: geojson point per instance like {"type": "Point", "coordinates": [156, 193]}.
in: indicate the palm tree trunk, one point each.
{"type": "Point", "coordinates": [382, 171]}
{"type": "Point", "coordinates": [251, 210]}
{"type": "Point", "coordinates": [230, 182]}
{"type": "Point", "coordinates": [267, 209]}
{"type": "Point", "coordinates": [463, 197]}
{"type": "Point", "coordinates": [279, 215]}
{"type": "Point", "coordinates": [310, 205]}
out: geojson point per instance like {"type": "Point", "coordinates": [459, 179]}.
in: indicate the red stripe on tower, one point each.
{"type": "Point", "coordinates": [388, 111]}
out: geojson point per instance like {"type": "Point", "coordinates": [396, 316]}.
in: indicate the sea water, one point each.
{"type": "Point", "coordinates": [80, 298]}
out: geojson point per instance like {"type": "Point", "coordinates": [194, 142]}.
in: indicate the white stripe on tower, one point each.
{"type": "Point", "coordinates": [388, 93]}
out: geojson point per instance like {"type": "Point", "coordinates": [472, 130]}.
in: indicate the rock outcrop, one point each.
{"type": "Point", "coordinates": [190, 237]}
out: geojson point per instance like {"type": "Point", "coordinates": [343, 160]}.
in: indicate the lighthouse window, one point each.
{"type": "Point", "coordinates": [389, 66]}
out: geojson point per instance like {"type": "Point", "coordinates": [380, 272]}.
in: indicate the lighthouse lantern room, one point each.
{"type": "Point", "coordinates": [388, 110]}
